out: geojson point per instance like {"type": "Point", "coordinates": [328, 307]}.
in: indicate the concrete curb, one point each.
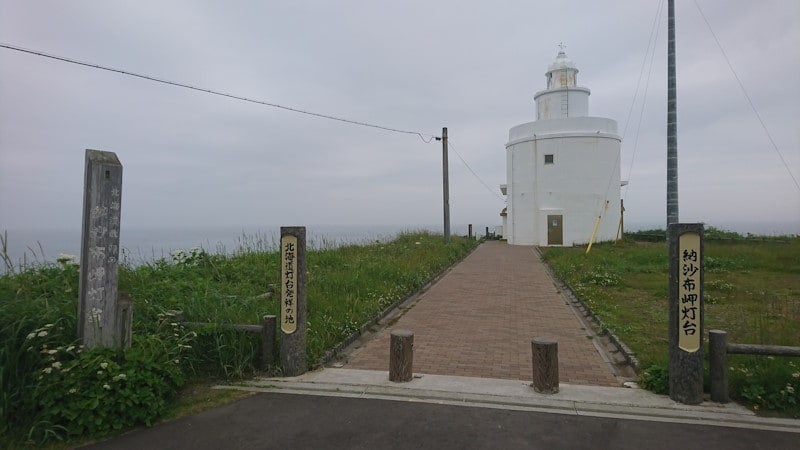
{"type": "Point", "coordinates": [613, 402]}
{"type": "Point", "coordinates": [579, 305]}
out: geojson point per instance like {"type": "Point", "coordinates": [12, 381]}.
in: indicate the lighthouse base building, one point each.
{"type": "Point", "coordinates": [562, 170]}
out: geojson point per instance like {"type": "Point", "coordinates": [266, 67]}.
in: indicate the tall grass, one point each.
{"type": "Point", "coordinates": [347, 287]}
{"type": "Point", "coordinates": [752, 291]}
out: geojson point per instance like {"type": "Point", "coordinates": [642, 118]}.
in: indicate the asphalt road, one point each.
{"type": "Point", "coordinates": [286, 421]}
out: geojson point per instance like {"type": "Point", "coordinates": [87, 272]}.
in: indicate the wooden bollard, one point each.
{"type": "Point", "coordinates": [718, 365]}
{"type": "Point", "coordinates": [124, 320]}
{"type": "Point", "coordinates": [401, 355]}
{"type": "Point", "coordinates": [268, 334]}
{"type": "Point", "coordinates": [544, 352]}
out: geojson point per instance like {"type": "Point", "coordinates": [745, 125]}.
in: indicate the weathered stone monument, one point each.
{"type": "Point", "coordinates": [101, 320]}
{"type": "Point", "coordinates": [686, 277]}
{"type": "Point", "coordinates": [293, 300]}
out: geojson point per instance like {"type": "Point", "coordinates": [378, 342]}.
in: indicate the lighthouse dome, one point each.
{"type": "Point", "coordinates": [562, 62]}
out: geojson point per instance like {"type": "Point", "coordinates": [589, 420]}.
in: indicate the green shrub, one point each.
{"type": "Point", "coordinates": [655, 378]}
{"type": "Point", "coordinates": [91, 392]}
{"type": "Point", "coordinates": [767, 384]}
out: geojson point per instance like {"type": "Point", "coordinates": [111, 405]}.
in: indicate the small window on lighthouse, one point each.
{"type": "Point", "coordinates": [548, 159]}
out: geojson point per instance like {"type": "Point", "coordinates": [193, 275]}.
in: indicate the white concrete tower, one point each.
{"type": "Point", "coordinates": [563, 169]}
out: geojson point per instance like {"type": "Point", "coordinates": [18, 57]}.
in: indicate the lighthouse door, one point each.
{"type": "Point", "coordinates": [555, 230]}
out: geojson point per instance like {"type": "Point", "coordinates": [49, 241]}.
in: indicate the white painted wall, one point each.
{"type": "Point", "coordinates": [551, 104]}
{"type": "Point", "coordinates": [583, 181]}
{"type": "Point", "coordinates": [583, 177]}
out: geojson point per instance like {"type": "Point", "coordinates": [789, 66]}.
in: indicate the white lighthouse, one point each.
{"type": "Point", "coordinates": [562, 170]}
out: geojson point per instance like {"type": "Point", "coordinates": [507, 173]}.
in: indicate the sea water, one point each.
{"type": "Point", "coordinates": [140, 245]}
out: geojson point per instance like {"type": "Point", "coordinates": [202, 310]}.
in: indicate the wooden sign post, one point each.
{"type": "Point", "coordinates": [293, 300]}
{"type": "Point", "coordinates": [686, 277]}
{"type": "Point", "coordinates": [98, 321]}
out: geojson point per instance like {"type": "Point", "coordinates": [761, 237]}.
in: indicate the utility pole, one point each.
{"type": "Point", "coordinates": [445, 187]}
{"type": "Point", "coordinates": [672, 122]}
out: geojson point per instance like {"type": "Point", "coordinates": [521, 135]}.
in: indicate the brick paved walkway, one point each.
{"type": "Point", "coordinates": [478, 321]}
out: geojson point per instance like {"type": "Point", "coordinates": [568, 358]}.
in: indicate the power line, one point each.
{"type": "Point", "coordinates": [744, 91]}
{"type": "Point", "coordinates": [653, 30]}
{"type": "Point", "coordinates": [422, 136]}
{"type": "Point", "coordinates": [450, 147]}
{"type": "Point", "coordinates": [653, 41]}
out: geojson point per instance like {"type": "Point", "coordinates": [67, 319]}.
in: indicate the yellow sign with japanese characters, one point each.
{"type": "Point", "coordinates": [689, 292]}
{"type": "Point", "coordinates": [288, 283]}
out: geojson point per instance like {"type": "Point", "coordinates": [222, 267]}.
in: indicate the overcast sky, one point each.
{"type": "Point", "coordinates": [196, 159]}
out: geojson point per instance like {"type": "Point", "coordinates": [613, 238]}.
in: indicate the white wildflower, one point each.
{"type": "Point", "coordinates": [57, 365]}
{"type": "Point", "coordinates": [104, 365]}
{"type": "Point", "coordinates": [107, 387]}
{"type": "Point", "coordinates": [49, 325]}
{"type": "Point", "coordinates": [99, 372]}
{"type": "Point", "coordinates": [121, 376]}
{"type": "Point", "coordinates": [42, 333]}
{"type": "Point", "coordinates": [70, 348]}
{"type": "Point", "coordinates": [73, 390]}
{"type": "Point", "coordinates": [65, 258]}
{"type": "Point", "coordinates": [796, 375]}
{"type": "Point", "coordinates": [47, 369]}
{"type": "Point", "coordinates": [52, 352]}
{"type": "Point", "coordinates": [789, 388]}
{"type": "Point", "coordinates": [30, 336]}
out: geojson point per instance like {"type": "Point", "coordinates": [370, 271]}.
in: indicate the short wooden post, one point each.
{"type": "Point", "coordinates": [268, 342]}
{"type": "Point", "coordinates": [470, 231]}
{"type": "Point", "coordinates": [293, 300]}
{"type": "Point", "coordinates": [102, 198]}
{"type": "Point", "coordinates": [401, 355]}
{"type": "Point", "coordinates": [487, 232]}
{"type": "Point", "coordinates": [125, 320]}
{"type": "Point", "coordinates": [718, 365]}
{"type": "Point", "coordinates": [686, 278]}
{"type": "Point", "coordinates": [544, 353]}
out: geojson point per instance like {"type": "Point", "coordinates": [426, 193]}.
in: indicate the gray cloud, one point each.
{"type": "Point", "coordinates": [192, 158]}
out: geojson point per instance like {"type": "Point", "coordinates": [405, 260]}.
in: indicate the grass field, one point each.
{"type": "Point", "coordinates": [51, 387]}
{"type": "Point", "coordinates": [752, 291]}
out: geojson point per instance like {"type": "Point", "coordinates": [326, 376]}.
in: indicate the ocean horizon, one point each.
{"type": "Point", "coordinates": [141, 245]}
